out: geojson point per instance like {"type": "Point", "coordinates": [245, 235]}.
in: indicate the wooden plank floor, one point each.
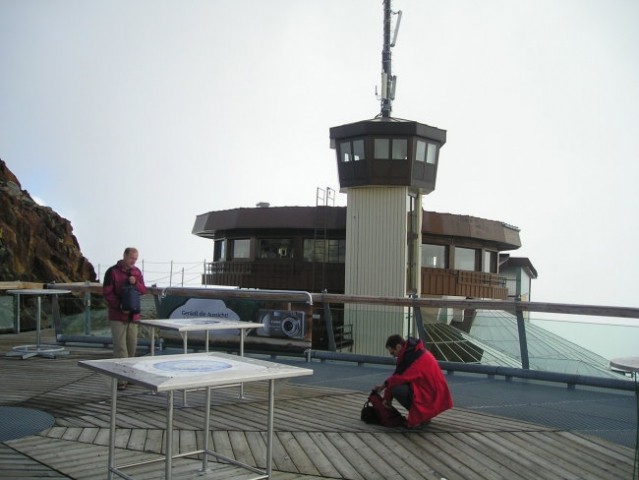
{"type": "Point", "coordinates": [318, 434]}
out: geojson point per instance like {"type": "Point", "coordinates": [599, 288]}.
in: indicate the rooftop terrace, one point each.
{"type": "Point", "coordinates": [499, 428]}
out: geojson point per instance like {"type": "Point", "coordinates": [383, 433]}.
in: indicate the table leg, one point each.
{"type": "Point", "coordinates": [152, 341]}
{"type": "Point", "coordinates": [241, 355]}
{"type": "Point", "coordinates": [269, 433]}
{"type": "Point", "coordinates": [168, 449]}
{"type": "Point", "coordinates": [38, 320]}
{"type": "Point", "coordinates": [114, 399]}
{"type": "Point", "coordinates": [635, 465]}
{"type": "Point", "coordinates": [207, 429]}
{"type": "Point", "coordinates": [17, 297]}
{"type": "Point", "coordinates": [185, 342]}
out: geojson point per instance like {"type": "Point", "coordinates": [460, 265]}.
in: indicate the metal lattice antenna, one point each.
{"type": "Point", "coordinates": [389, 80]}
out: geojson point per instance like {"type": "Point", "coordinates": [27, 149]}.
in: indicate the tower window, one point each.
{"type": "Point", "coordinates": [400, 149]}
{"type": "Point", "coordinates": [426, 152]}
{"type": "Point", "coordinates": [395, 149]}
{"type": "Point", "coordinates": [352, 151]}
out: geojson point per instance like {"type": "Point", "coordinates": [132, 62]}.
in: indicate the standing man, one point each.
{"type": "Point", "coordinates": [417, 383]}
{"type": "Point", "coordinates": [124, 324]}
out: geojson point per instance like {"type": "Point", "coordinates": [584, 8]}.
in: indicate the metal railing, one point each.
{"type": "Point", "coordinates": [92, 319]}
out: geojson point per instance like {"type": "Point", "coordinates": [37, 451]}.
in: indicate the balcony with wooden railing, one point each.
{"type": "Point", "coordinates": [292, 274]}
{"type": "Point", "coordinates": [462, 283]}
{"type": "Point", "coordinates": [289, 274]}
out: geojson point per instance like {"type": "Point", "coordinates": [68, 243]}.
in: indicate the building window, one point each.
{"type": "Point", "coordinates": [400, 149]}
{"type": "Point", "coordinates": [426, 152]}
{"type": "Point", "coordinates": [325, 251]}
{"type": "Point", "coordinates": [434, 256]}
{"type": "Point", "coordinates": [382, 149]}
{"type": "Point", "coordinates": [420, 151]}
{"type": "Point", "coordinates": [219, 254]}
{"type": "Point", "coordinates": [489, 265]}
{"type": "Point", "coordinates": [395, 149]}
{"type": "Point", "coordinates": [276, 248]}
{"type": "Point", "coordinates": [431, 154]}
{"type": "Point", "coordinates": [358, 150]}
{"type": "Point", "coordinates": [465, 259]}
{"type": "Point", "coordinates": [335, 251]}
{"type": "Point", "coordinates": [345, 151]}
{"type": "Point", "coordinates": [352, 151]}
{"type": "Point", "coordinates": [240, 248]}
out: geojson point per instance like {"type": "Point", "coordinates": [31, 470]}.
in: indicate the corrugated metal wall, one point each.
{"type": "Point", "coordinates": [376, 253]}
{"type": "Point", "coordinates": [376, 241]}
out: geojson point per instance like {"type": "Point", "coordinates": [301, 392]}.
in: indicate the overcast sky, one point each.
{"type": "Point", "coordinates": [129, 118]}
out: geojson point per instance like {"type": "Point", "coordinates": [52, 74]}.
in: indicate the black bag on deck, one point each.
{"type": "Point", "coordinates": [375, 412]}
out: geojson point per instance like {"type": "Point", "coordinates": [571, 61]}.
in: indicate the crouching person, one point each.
{"type": "Point", "coordinates": [418, 383]}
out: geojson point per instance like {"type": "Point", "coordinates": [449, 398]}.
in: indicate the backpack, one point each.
{"type": "Point", "coordinates": [129, 297]}
{"type": "Point", "coordinates": [375, 412]}
{"type": "Point", "coordinates": [130, 300]}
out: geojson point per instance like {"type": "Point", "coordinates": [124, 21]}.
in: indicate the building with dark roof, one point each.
{"type": "Point", "coordinates": [383, 243]}
{"type": "Point", "coordinates": [304, 248]}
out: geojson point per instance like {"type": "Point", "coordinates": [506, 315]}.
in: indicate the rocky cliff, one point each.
{"type": "Point", "coordinates": [36, 244]}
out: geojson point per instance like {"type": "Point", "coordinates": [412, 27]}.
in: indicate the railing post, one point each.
{"type": "Point", "coordinates": [87, 309]}
{"type": "Point", "coordinates": [55, 314]}
{"type": "Point", "coordinates": [419, 322]}
{"type": "Point", "coordinates": [16, 313]}
{"type": "Point", "coordinates": [523, 342]}
{"type": "Point", "coordinates": [330, 333]}
{"type": "Point", "coordinates": [157, 300]}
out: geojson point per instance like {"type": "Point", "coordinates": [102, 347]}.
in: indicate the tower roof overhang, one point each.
{"type": "Point", "coordinates": [387, 126]}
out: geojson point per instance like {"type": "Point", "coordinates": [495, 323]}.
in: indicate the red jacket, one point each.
{"type": "Point", "coordinates": [419, 368]}
{"type": "Point", "coordinates": [114, 278]}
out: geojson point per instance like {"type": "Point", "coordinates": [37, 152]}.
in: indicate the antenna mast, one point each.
{"type": "Point", "coordinates": [388, 79]}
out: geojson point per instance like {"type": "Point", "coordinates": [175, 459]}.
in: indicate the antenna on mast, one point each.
{"type": "Point", "coordinates": [389, 81]}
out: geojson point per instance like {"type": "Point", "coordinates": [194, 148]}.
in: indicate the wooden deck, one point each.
{"type": "Point", "coordinates": [318, 434]}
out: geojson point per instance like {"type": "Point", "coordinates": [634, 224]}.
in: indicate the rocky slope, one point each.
{"type": "Point", "coordinates": [36, 244]}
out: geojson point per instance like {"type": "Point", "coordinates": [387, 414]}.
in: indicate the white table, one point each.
{"type": "Point", "coordinates": [200, 324]}
{"type": "Point", "coordinates": [626, 364]}
{"type": "Point", "coordinates": [27, 351]}
{"type": "Point", "coordinates": [180, 372]}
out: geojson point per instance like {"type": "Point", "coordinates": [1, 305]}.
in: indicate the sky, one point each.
{"type": "Point", "coordinates": [130, 118]}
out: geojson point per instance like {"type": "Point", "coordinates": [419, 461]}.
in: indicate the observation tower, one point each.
{"type": "Point", "coordinates": [386, 165]}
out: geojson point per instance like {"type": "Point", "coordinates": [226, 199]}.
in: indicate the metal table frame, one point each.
{"type": "Point", "coordinates": [28, 351]}
{"type": "Point", "coordinates": [117, 368]}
